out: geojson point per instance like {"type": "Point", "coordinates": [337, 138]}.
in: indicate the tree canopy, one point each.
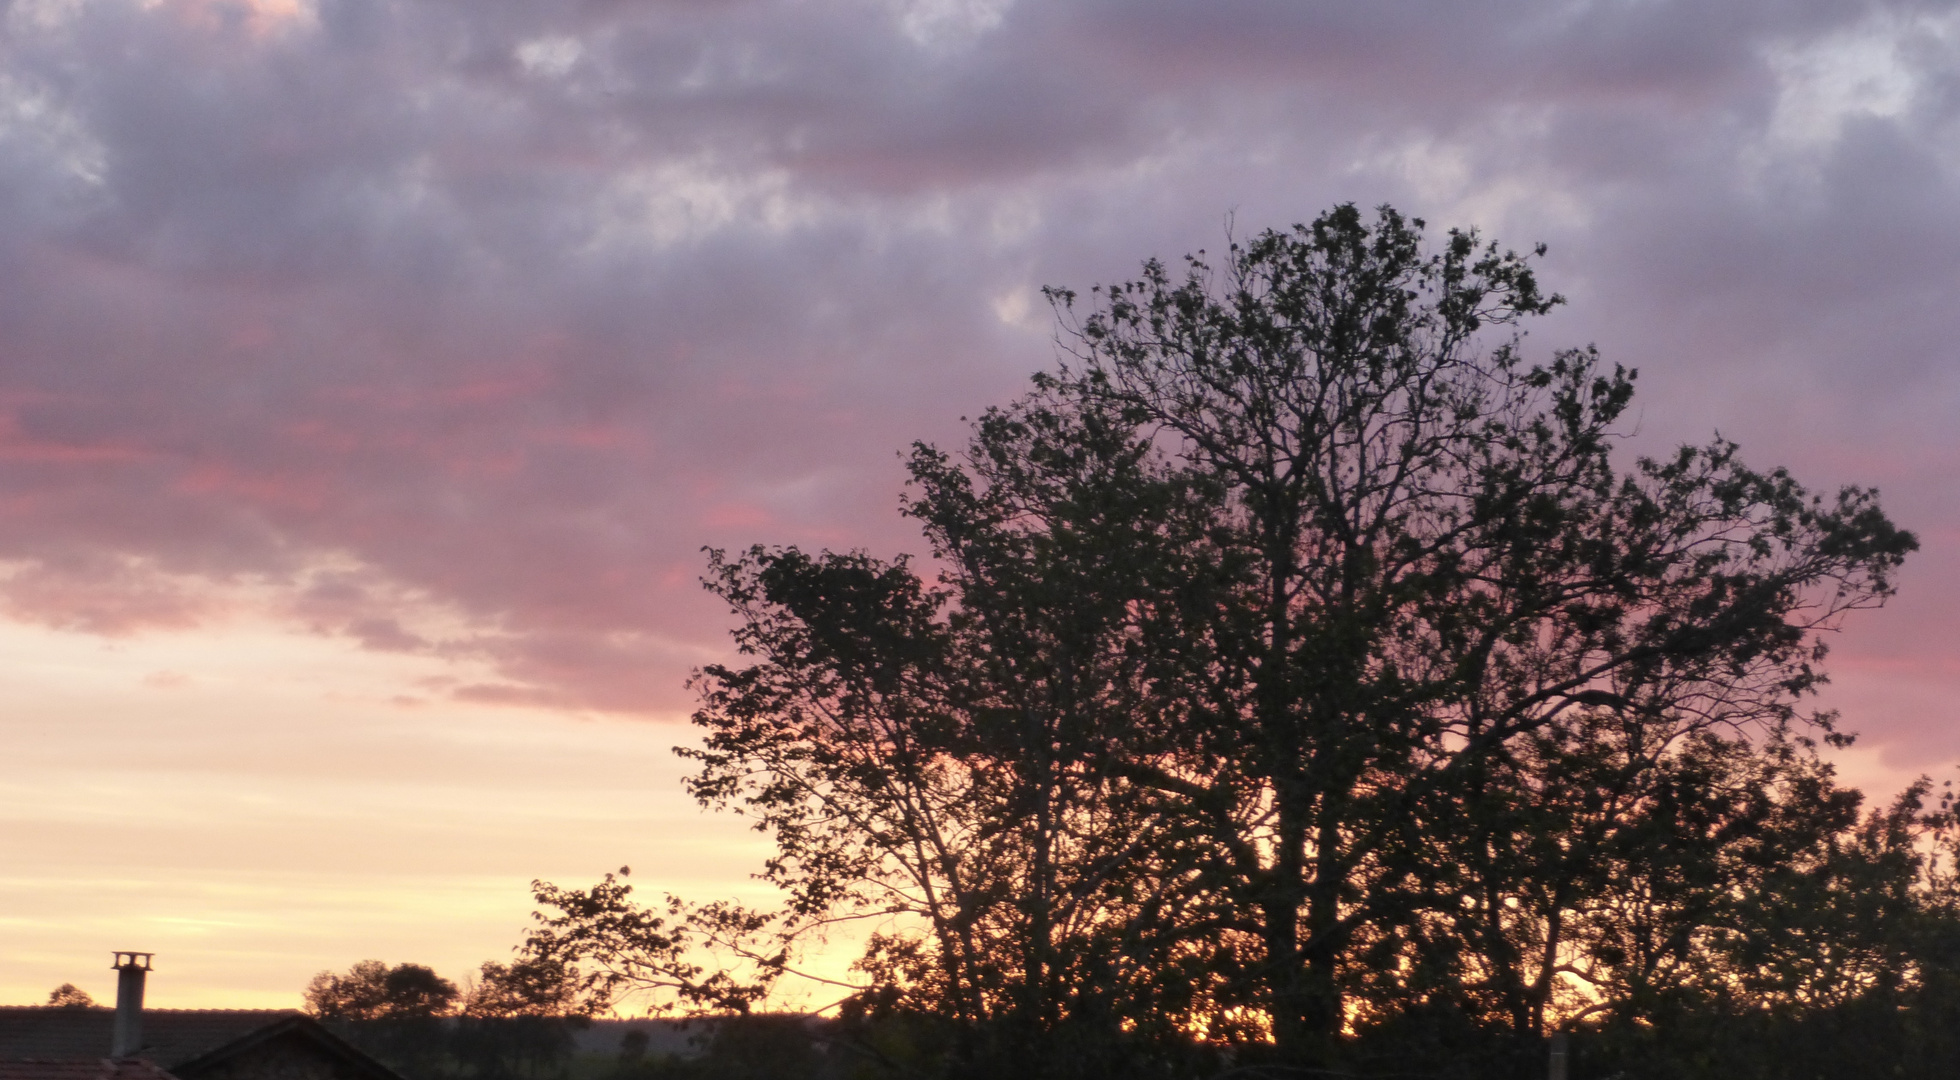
{"type": "Point", "coordinates": [1300, 665]}
{"type": "Point", "coordinates": [70, 996]}
{"type": "Point", "coordinates": [371, 990]}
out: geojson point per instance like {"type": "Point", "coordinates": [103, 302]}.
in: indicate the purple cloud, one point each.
{"type": "Point", "coordinates": [503, 310]}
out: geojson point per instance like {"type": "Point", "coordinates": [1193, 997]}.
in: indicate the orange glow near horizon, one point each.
{"type": "Point", "coordinates": [252, 805]}
{"type": "Point", "coordinates": [255, 804]}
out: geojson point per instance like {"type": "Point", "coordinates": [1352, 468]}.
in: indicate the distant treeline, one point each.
{"type": "Point", "coordinates": [757, 1047]}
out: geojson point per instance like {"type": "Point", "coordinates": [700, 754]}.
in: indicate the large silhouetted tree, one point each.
{"type": "Point", "coordinates": [1300, 659]}
{"type": "Point", "coordinates": [960, 759]}
{"type": "Point", "coordinates": [1433, 558]}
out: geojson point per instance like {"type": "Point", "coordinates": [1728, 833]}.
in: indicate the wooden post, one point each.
{"type": "Point", "coordinates": [1561, 1050]}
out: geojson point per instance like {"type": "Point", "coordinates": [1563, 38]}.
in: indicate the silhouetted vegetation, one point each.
{"type": "Point", "coordinates": [515, 1022]}
{"type": "Point", "coordinates": [371, 990]}
{"type": "Point", "coordinates": [70, 996]}
{"type": "Point", "coordinates": [395, 1013]}
{"type": "Point", "coordinates": [1305, 689]}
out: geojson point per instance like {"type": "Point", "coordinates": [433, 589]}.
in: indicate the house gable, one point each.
{"type": "Point", "coordinates": [53, 1043]}
{"type": "Point", "coordinates": [295, 1048]}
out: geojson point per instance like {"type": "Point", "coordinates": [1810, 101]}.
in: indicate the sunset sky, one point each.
{"type": "Point", "coordinates": [372, 373]}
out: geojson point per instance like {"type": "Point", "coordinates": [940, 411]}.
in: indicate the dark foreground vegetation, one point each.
{"type": "Point", "coordinates": [1302, 686]}
{"type": "Point", "coordinates": [1906, 1036]}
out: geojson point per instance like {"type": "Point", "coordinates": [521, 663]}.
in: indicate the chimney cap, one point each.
{"type": "Point", "coordinates": [128, 959]}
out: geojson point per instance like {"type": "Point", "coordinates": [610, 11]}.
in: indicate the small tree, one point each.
{"type": "Point", "coordinates": [70, 996]}
{"type": "Point", "coordinates": [395, 1013]}
{"type": "Point", "coordinates": [371, 990]}
{"type": "Point", "coordinates": [519, 1018]}
{"type": "Point", "coordinates": [530, 986]}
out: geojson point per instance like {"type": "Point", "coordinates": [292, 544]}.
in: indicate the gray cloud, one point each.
{"type": "Point", "coordinates": [507, 308]}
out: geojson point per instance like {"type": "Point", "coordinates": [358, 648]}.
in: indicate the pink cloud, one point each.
{"type": "Point", "coordinates": [413, 334]}
{"type": "Point", "coordinates": [103, 596]}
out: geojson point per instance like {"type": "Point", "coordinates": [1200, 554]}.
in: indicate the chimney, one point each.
{"type": "Point", "coordinates": [130, 967]}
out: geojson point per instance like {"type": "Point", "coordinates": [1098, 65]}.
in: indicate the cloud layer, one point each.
{"type": "Point", "coordinates": [459, 327]}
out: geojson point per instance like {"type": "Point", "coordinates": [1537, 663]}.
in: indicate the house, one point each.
{"type": "Point", "coordinates": [130, 1042]}
{"type": "Point", "coordinates": [96, 1069]}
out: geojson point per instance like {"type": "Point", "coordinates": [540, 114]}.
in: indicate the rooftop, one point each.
{"type": "Point", "coordinates": [80, 1069]}
{"type": "Point", "coordinates": [45, 1034]}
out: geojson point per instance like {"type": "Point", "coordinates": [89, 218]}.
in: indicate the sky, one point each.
{"type": "Point", "coordinates": [373, 372]}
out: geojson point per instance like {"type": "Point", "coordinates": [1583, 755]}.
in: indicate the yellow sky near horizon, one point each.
{"type": "Point", "coordinates": [254, 805]}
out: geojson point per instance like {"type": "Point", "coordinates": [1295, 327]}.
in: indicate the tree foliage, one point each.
{"type": "Point", "coordinates": [371, 990]}
{"type": "Point", "coordinates": [515, 1020]}
{"type": "Point", "coordinates": [1431, 561]}
{"type": "Point", "coordinates": [657, 956]}
{"type": "Point", "coordinates": [1301, 667]}
{"type": "Point", "coordinates": [70, 996]}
